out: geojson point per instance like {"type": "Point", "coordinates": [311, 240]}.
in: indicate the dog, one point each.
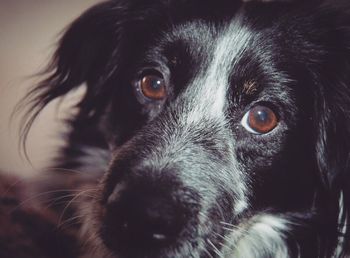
{"type": "Point", "coordinates": [207, 129]}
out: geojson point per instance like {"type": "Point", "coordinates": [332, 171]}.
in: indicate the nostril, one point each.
{"type": "Point", "coordinates": [143, 221]}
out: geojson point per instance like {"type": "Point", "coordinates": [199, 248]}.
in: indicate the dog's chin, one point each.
{"type": "Point", "coordinates": [260, 235]}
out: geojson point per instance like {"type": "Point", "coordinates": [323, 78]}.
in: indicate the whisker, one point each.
{"type": "Point", "coordinates": [67, 222]}
{"type": "Point", "coordinates": [92, 235]}
{"type": "Point", "coordinates": [226, 223]}
{"type": "Point", "coordinates": [37, 196]}
{"type": "Point", "coordinates": [215, 249]}
{"type": "Point", "coordinates": [208, 253]}
{"type": "Point", "coordinates": [60, 200]}
{"type": "Point", "coordinates": [6, 191]}
{"type": "Point", "coordinates": [220, 236]}
{"type": "Point", "coordinates": [20, 180]}
{"type": "Point", "coordinates": [67, 170]}
{"type": "Point", "coordinates": [71, 201]}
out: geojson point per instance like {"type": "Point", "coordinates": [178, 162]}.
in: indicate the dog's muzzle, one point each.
{"type": "Point", "coordinates": [145, 215]}
{"type": "Point", "coordinates": [167, 193]}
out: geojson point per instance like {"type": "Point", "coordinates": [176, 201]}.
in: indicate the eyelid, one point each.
{"type": "Point", "coordinates": [150, 71]}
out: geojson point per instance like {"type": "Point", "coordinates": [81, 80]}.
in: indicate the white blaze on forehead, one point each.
{"type": "Point", "coordinates": [209, 89]}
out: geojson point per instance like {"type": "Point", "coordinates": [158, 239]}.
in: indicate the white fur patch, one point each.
{"type": "Point", "coordinates": [210, 87]}
{"type": "Point", "coordinates": [206, 97]}
{"type": "Point", "coordinates": [263, 235]}
{"type": "Point", "coordinates": [93, 159]}
{"type": "Point", "coordinates": [342, 227]}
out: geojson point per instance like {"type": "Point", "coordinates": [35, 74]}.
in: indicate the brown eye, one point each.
{"type": "Point", "coordinates": [259, 120]}
{"type": "Point", "coordinates": [153, 87]}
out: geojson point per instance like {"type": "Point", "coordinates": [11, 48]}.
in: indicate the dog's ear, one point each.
{"type": "Point", "coordinates": [82, 57]}
{"type": "Point", "coordinates": [332, 122]}
{"type": "Point", "coordinates": [333, 159]}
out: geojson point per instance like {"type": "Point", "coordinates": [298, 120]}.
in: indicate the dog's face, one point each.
{"type": "Point", "coordinates": [222, 133]}
{"type": "Point", "coordinates": [215, 116]}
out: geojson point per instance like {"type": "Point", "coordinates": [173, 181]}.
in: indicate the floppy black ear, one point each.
{"type": "Point", "coordinates": [82, 57]}
{"type": "Point", "coordinates": [333, 158]}
{"type": "Point", "coordinates": [333, 123]}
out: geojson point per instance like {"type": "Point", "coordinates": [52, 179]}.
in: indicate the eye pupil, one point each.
{"type": "Point", "coordinates": [153, 87]}
{"type": "Point", "coordinates": [261, 116]}
{"type": "Point", "coordinates": [156, 84]}
{"type": "Point", "coordinates": [262, 119]}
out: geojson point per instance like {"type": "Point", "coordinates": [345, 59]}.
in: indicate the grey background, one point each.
{"type": "Point", "coordinates": [28, 32]}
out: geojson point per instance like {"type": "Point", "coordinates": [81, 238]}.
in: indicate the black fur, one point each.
{"type": "Point", "coordinates": [167, 187]}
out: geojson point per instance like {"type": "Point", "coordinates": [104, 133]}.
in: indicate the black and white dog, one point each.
{"type": "Point", "coordinates": [213, 128]}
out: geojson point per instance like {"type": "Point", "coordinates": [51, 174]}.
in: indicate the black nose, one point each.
{"type": "Point", "coordinates": [143, 221]}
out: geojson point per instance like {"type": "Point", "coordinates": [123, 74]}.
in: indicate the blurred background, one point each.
{"type": "Point", "coordinates": [29, 30]}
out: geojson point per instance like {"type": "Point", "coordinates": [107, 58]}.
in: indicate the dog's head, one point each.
{"type": "Point", "coordinates": [227, 125]}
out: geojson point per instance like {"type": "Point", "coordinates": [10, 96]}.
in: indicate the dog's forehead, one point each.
{"type": "Point", "coordinates": [218, 50]}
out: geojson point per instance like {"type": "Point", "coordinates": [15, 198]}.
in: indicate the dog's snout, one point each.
{"type": "Point", "coordinates": [143, 220]}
